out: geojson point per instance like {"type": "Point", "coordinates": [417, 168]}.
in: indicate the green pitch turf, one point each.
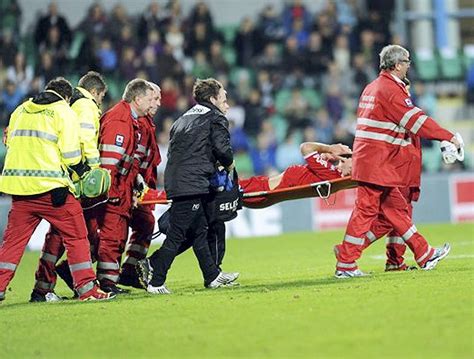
{"type": "Point", "coordinates": [288, 305]}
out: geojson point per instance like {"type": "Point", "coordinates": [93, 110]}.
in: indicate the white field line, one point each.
{"type": "Point", "coordinates": [455, 256]}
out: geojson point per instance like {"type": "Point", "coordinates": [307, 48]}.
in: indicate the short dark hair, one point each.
{"type": "Point", "coordinates": [93, 81]}
{"type": "Point", "coordinates": [203, 90]}
{"type": "Point", "coordinates": [136, 87]}
{"type": "Point", "coordinates": [60, 85]}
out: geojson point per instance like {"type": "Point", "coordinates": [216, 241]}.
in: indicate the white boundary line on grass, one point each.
{"type": "Point", "coordinates": [455, 256]}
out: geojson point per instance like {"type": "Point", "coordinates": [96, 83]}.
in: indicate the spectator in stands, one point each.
{"type": "Point", "coordinates": [292, 59]}
{"type": "Point", "coordinates": [126, 38]}
{"type": "Point", "coordinates": [118, 20]}
{"type": "Point", "coordinates": [300, 33]}
{"type": "Point", "coordinates": [198, 40]}
{"type": "Point", "coordinates": [201, 67]}
{"type": "Point", "coordinates": [175, 39]}
{"type": "Point", "coordinates": [168, 65]}
{"type": "Point", "coordinates": [150, 20]}
{"type": "Point", "coordinates": [169, 97]}
{"type": "Point", "coordinates": [266, 88]}
{"type": "Point", "coordinates": [288, 153]}
{"type": "Point", "coordinates": [200, 14]}
{"type": "Point", "coordinates": [245, 42]}
{"type": "Point", "coordinates": [270, 59]}
{"type": "Point", "coordinates": [11, 97]}
{"type": "Point", "coordinates": [317, 59]}
{"type": "Point", "coordinates": [297, 110]}
{"type": "Point", "coordinates": [8, 47]}
{"type": "Point", "coordinates": [20, 73]}
{"type": "Point", "coordinates": [263, 155]}
{"type": "Point", "coordinates": [254, 113]}
{"type": "Point", "coordinates": [107, 57]}
{"type": "Point", "coordinates": [324, 126]}
{"type": "Point", "coordinates": [53, 19]}
{"type": "Point", "coordinates": [269, 26]}
{"type": "Point", "coordinates": [326, 24]}
{"type": "Point", "coordinates": [295, 10]}
{"type": "Point", "coordinates": [334, 103]}
{"type": "Point", "coordinates": [150, 65]}
{"type": "Point", "coordinates": [341, 53]}
{"type": "Point", "coordinates": [129, 63]}
{"type": "Point", "coordinates": [53, 44]}
{"type": "Point", "coordinates": [3, 73]}
{"type": "Point", "coordinates": [94, 23]}
{"type": "Point", "coordinates": [47, 69]}
{"type": "Point", "coordinates": [10, 16]}
{"type": "Point", "coordinates": [154, 42]}
{"type": "Point", "coordinates": [216, 58]}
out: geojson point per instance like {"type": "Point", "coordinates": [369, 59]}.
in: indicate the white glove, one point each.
{"type": "Point", "coordinates": [449, 151]}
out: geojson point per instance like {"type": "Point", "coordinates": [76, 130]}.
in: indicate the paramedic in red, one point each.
{"type": "Point", "coordinates": [383, 155]}
{"type": "Point", "coordinates": [143, 220]}
{"type": "Point", "coordinates": [118, 142]}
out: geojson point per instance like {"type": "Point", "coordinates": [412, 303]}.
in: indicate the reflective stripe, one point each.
{"type": "Point", "coordinates": [49, 257]}
{"type": "Point", "coordinates": [141, 148]}
{"type": "Point", "coordinates": [409, 114]}
{"type": "Point", "coordinates": [123, 171]}
{"type": "Point", "coordinates": [34, 133]}
{"type": "Point", "coordinates": [85, 288]}
{"type": "Point", "coordinates": [127, 158]}
{"type": "Point", "coordinates": [419, 260]}
{"type": "Point", "coordinates": [80, 266]}
{"type": "Point", "coordinates": [408, 234]}
{"type": "Point", "coordinates": [130, 260]}
{"type": "Point", "coordinates": [418, 123]}
{"type": "Point", "coordinates": [89, 126]}
{"type": "Point", "coordinates": [354, 240]}
{"type": "Point", "coordinates": [144, 164]}
{"type": "Point", "coordinates": [137, 156]}
{"type": "Point", "coordinates": [138, 248]}
{"type": "Point", "coordinates": [108, 265]}
{"type": "Point", "coordinates": [44, 285]}
{"type": "Point", "coordinates": [346, 265]}
{"type": "Point", "coordinates": [71, 154]}
{"type": "Point", "coordinates": [32, 173]}
{"type": "Point", "coordinates": [382, 137]}
{"type": "Point", "coordinates": [112, 148]}
{"type": "Point", "coordinates": [7, 266]}
{"type": "Point", "coordinates": [113, 278]}
{"type": "Point", "coordinates": [380, 124]}
{"type": "Point", "coordinates": [93, 160]}
{"type": "Point", "coordinates": [371, 236]}
{"type": "Point", "coordinates": [395, 240]}
{"type": "Point", "coordinates": [109, 161]}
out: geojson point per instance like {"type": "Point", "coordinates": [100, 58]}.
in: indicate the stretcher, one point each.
{"type": "Point", "coordinates": [263, 199]}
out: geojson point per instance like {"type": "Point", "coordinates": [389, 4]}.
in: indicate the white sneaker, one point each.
{"type": "Point", "coordinates": [52, 297]}
{"type": "Point", "coordinates": [440, 253]}
{"type": "Point", "coordinates": [223, 279]}
{"type": "Point", "coordinates": [158, 290]}
{"type": "Point", "coordinates": [349, 274]}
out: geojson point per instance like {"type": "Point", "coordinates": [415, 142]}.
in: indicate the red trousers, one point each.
{"type": "Point", "coordinates": [53, 249]}
{"type": "Point", "coordinates": [395, 244]}
{"type": "Point", "coordinates": [371, 201]}
{"type": "Point", "coordinates": [113, 233]}
{"type": "Point", "coordinates": [25, 215]}
{"type": "Point", "coordinates": [142, 224]}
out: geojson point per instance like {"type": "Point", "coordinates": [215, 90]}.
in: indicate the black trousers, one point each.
{"type": "Point", "coordinates": [188, 221]}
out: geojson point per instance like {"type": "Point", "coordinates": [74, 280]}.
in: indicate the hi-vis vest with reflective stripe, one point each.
{"type": "Point", "coordinates": [42, 141]}
{"type": "Point", "coordinates": [88, 114]}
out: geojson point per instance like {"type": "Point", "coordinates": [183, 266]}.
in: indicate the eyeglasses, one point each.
{"type": "Point", "coordinates": [406, 61]}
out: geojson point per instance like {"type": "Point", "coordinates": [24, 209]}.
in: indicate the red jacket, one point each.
{"type": "Point", "coordinates": [148, 152]}
{"type": "Point", "coordinates": [384, 151]}
{"type": "Point", "coordinates": [118, 139]}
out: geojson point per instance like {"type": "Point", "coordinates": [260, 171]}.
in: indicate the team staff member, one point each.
{"type": "Point", "coordinates": [85, 102]}
{"type": "Point", "coordinates": [381, 163]}
{"type": "Point", "coordinates": [43, 145]}
{"type": "Point", "coordinates": [118, 141]}
{"type": "Point", "coordinates": [199, 139]}
{"type": "Point", "coordinates": [143, 220]}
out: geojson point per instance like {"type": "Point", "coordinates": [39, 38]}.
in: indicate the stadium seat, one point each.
{"type": "Point", "coordinates": [228, 31]}
{"type": "Point", "coordinates": [426, 64]}
{"type": "Point", "coordinates": [76, 44]}
{"type": "Point", "coordinates": [229, 55]}
{"type": "Point", "coordinates": [281, 100]}
{"type": "Point", "coordinates": [313, 97]}
{"type": "Point", "coordinates": [244, 164]}
{"type": "Point", "coordinates": [451, 64]}
{"type": "Point", "coordinates": [468, 55]}
{"type": "Point", "coordinates": [280, 125]}
{"type": "Point", "coordinates": [237, 72]}
{"type": "Point", "coordinates": [28, 47]}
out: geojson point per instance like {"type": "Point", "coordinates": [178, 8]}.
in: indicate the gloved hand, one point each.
{"type": "Point", "coordinates": [450, 152]}
{"type": "Point", "coordinates": [93, 183]}
{"type": "Point", "coordinates": [229, 184]}
{"type": "Point", "coordinates": [140, 188]}
{"type": "Point", "coordinates": [218, 180]}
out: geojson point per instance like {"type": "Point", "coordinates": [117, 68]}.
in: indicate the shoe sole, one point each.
{"type": "Point", "coordinates": [435, 262]}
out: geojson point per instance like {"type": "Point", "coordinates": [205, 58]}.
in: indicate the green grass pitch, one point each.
{"type": "Point", "coordinates": [288, 305]}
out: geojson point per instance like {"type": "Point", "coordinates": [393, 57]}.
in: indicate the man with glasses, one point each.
{"type": "Point", "coordinates": [385, 164]}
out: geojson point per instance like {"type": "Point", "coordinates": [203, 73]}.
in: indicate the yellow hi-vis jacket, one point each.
{"type": "Point", "coordinates": [42, 142]}
{"type": "Point", "coordinates": [88, 113]}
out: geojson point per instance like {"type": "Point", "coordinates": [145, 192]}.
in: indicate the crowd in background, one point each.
{"type": "Point", "coordinates": [291, 75]}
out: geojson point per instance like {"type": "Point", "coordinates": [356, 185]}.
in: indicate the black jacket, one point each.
{"type": "Point", "coordinates": [198, 140]}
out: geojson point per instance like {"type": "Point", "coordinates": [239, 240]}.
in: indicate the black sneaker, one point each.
{"type": "Point", "coordinates": [131, 281]}
{"type": "Point", "coordinates": [63, 271]}
{"type": "Point", "coordinates": [112, 288]}
{"type": "Point", "coordinates": [49, 297]}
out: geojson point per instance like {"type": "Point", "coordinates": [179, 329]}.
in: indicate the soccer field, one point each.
{"type": "Point", "coordinates": [288, 305]}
